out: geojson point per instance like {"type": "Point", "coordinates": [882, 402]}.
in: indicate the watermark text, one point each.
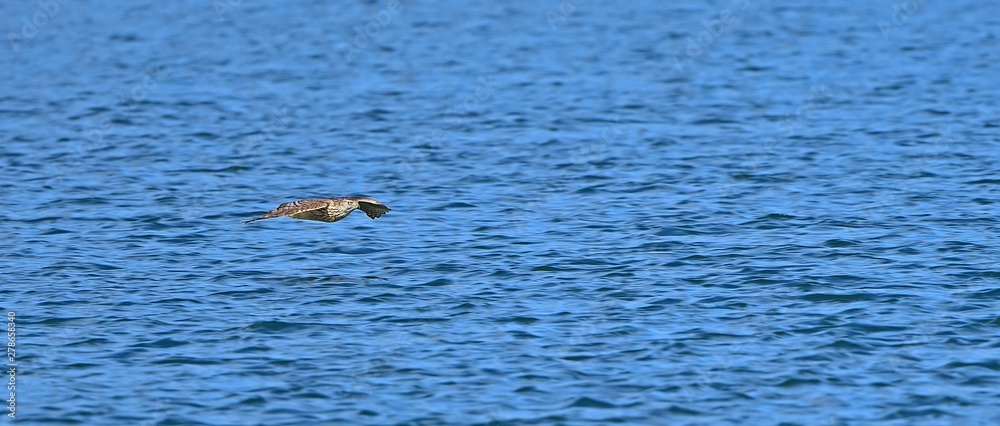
{"type": "Point", "coordinates": [11, 366]}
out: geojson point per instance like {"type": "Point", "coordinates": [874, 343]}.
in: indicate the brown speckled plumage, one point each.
{"type": "Point", "coordinates": [326, 209]}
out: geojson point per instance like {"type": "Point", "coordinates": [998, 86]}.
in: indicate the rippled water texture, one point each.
{"type": "Point", "coordinates": [642, 213]}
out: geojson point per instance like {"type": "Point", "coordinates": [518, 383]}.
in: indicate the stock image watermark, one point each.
{"type": "Point", "coordinates": [792, 123]}
{"type": "Point", "coordinates": [484, 90]}
{"type": "Point", "coordinates": [496, 417]}
{"type": "Point", "coordinates": [47, 10]}
{"type": "Point", "coordinates": [563, 12]}
{"type": "Point", "coordinates": [917, 346]}
{"type": "Point", "coordinates": [94, 135]}
{"type": "Point", "coordinates": [893, 193]}
{"type": "Point", "coordinates": [11, 365]}
{"type": "Point", "coordinates": [127, 100]}
{"type": "Point", "coordinates": [365, 34]}
{"type": "Point", "coordinates": [246, 332]}
{"type": "Point", "coordinates": [901, 12]}
{"type": "Point", "coordinates": [376, 367]}
{"type": "Point", "coordinates": [459, 111]}
{"type": "Point", "coordinates": [595, 326]}
{"type": "Point", "coordinates": [714, 28]}
{"type": "Point", "coordinates": [279, 118]}
{"type": "Point", "coordinates": [789, 125]}
{"type": "Point", "coordinates": [159, 413]}
{"type": "Point", "coordinates": [748, 330]}
{"type": "Point", "coordinates": [224, 7]}
{"type": "Point", "coordinates": [585, 153]}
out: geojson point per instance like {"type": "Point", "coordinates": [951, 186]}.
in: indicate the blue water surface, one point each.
{"type": "Point", "coordinates": [641, 213]}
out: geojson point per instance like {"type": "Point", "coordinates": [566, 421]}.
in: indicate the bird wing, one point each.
{"type": "Point", "coordinates": [371, 207]}
{"type": "Point", "coordinates": [292, 208]}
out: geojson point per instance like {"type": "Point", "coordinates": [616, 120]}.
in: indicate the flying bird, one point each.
{"type": "Point", "coordinates": [326, 209]}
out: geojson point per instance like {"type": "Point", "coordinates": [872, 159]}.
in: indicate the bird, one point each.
{"type": "Point", "coordinates": [326, 209]}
